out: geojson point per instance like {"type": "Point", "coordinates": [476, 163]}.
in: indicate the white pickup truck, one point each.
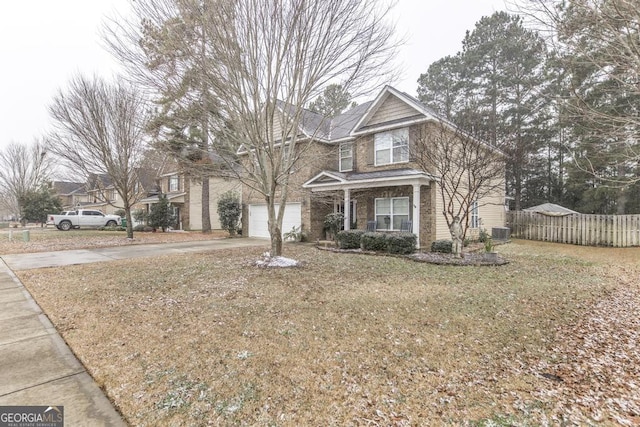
{"type": "Point", "coordinates": [83, 218]}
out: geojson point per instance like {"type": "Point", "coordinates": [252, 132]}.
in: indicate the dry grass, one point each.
{"type": "Point", "coordinates": [344, 340]}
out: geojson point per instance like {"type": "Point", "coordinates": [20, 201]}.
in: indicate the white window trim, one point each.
{"type": "Point", "coordinates": [375, 206]}
{"type": "Point", "coordinates": [474, 215]}
{"type": "Point", "coordinates": [177, 182]}
{"type": "Point", "coordinates": [392, 133]}
{"type": "Point", "coordinates": [341, 158]}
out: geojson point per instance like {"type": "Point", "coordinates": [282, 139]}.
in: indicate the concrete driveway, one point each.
{"type": "Point", "coordinates": [19, 262]}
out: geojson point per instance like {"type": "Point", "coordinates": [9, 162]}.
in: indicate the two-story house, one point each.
{"type": "Point", "coordinates": [184, 193]}
{"type": "Point", "coordinates": [72, 195]}
{"type": "Point", "coordinates": [103, 196]}
{"type": "Point", "coordinates": [365, 170]}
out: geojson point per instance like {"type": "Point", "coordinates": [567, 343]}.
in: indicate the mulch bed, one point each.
{"type": "Point", "coordinates": [468, 258]}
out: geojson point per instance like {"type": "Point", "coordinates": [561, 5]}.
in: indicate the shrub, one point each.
{"type": "Point", "coordinates": [142, 227]}
{"type": "Point", "coordinates": [139, 215]}
{"type": "Point", "coordinates": [401, 243]}
{"type": "Point", "coordinates": [349, 239]}
{"type": "Point", "coordinates": [484, 235]}
{"type": "Point", "coordinates": [111, 228]}
{"type": "Point", "coordinates": [374, 241]}
{"type": "Point", "coordinates": [161, 215]}
{"type": "Point", "coordinates": [294, 235]}
{"type": "Point", "coordinates": [333, 223]}
{"type": "Point", "coordinates": [488, 245]}
{"type": "Point", "coordinates": [444, 246]}
{"type": "Point", "coordinates": [229, 211]}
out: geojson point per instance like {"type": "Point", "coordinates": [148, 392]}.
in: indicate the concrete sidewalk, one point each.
{"type": "Point", "coordinates": [38, 368]}
{"type": "Point", "coordinates": [36, 365]}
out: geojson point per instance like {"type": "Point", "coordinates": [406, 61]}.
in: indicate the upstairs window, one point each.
{"type": "Point", "coordinates": [174, 183]}
{"type": "Point", "coordinates": [346, 156]}
{"type": "Point", "coordinates": [392, 147]}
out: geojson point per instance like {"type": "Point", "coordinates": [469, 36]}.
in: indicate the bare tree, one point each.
{"type": "Point", "coordinates": [100, 130]}
{"type": "Point", "coordinates": [598, 44]}
{"type": "Point", "coordinates": [470, 171]}
{"type": "Point", "coordinates": [23, 168]}
{"type": "Point", "coordinates": [164, 49]}
{"type": "Point", "coordinates": [272, 58]}
{"type": "Point", "coordinates": [260, 62]}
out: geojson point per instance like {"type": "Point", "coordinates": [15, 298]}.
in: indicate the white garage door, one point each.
{"type": "Point", "coordinates": [258, 218]}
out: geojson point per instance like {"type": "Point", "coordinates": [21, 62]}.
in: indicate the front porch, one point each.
{"type": "Point", "coordinates": [176, 201]}
{"type": "Point", "coordinates": [392, 200]}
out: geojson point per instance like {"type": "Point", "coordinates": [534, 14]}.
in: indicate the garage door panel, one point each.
{"type": "Point", "coordinates": [259, 219]}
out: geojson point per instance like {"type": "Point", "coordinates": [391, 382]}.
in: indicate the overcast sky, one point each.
{"type": "Point", "coordinates": [44, 42]}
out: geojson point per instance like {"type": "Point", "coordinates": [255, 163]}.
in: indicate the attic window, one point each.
{"type": "Point", "coordinates": [346, 156]}
{"type": "Point", "coordinates": [392, 146]}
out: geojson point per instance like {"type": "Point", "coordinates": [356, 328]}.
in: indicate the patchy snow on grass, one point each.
{"type": "Point", "coordinates": [277, 261]}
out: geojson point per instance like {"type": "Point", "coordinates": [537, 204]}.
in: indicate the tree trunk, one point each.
{"type": "Point", "coordinates": [127, 215]}
{"type": "Point", "coordinates": [276, 241]}
{"type": "Point", "coordinates": [206, 215]}
{"type": "Point", "coordinates": [275, 231]}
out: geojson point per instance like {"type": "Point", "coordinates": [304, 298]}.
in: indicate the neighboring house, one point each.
{"type": "Point", "coordinates": [102, 195]}
{"type": "Point", "coordinates": [184, 193]}
{"type": "Point", "coordinates": [72, 195]}
{"type": "Point", "coordinates": [362, 167]}
{"type": "Point", "coordinates": [172, 185]}
{"type": "Point", "coordinates": [551, 209]}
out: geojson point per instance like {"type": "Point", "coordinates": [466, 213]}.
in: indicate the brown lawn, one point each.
{"type": "Point", "coordinates": [355, 339]}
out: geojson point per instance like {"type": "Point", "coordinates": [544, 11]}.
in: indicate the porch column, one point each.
{"type": "Point", "coordinates": [416, 212]}
{"type": "Point", "coordinates": [347, 209]}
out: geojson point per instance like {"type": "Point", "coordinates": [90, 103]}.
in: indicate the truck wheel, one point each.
{"type": "Point", "coordinates": [65, 225]}
{"type": "Point", "coordinates": [111, 223]}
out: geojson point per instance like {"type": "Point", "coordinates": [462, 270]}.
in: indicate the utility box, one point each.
{"type": "Point", "coordinates": [25, 235]}
{"type": "Point", "coordinates": [500, 233]}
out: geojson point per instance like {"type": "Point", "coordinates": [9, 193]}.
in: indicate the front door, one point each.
{"type": "Point", "coordinates": [339, 208]}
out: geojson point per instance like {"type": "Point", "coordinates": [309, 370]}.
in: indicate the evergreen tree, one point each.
{"type": "Point", "coordinates": [333, 101]}
{"type": "Point", "coordinates": [37, 204]}
{"type": "Point", "coordinates": [441, 87]}
{"type": "Point", "coordinates": [492, 89]}
{"type": "Point", "coordinates": [598, 47]}
{"type": "Point", "coordinates": [504, 64]}
{"type": "Point", "coordinates": [172, 60]}
{"type": "Point", "coordinates": [161, 215]}
{"type": "Point", "coordinates": [229, 211]}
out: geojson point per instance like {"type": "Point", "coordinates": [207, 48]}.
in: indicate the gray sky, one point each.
{"type": "Point", "coordinates": [44, 42]}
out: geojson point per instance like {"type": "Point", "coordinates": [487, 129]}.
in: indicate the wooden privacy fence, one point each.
{"type": "Point", "coordinates": [586, 230]}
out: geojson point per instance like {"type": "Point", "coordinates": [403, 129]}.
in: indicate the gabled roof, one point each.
{"type": "Point", "coordinates": [343, 124]}
{"type": "Point", "coordinates": [66, 188]}
{"type": "Point", "coordinates": [551, 209]}
{"type": "Point", "coordinates": [327, 180]}
{"type": "Point", "coordinates": [172, 197]}
{"type": "Point", "coordinates": [422, 112]}
{"type": "Point", "coordinates": [356, 121]}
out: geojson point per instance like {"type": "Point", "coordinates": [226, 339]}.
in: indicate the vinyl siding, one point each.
{"type": "Point", "coordinates": [391, 109]}
{"type": "Point", "coordinates": [491, 212]}
{"type": "Point", "coordinates": [217, 187]}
